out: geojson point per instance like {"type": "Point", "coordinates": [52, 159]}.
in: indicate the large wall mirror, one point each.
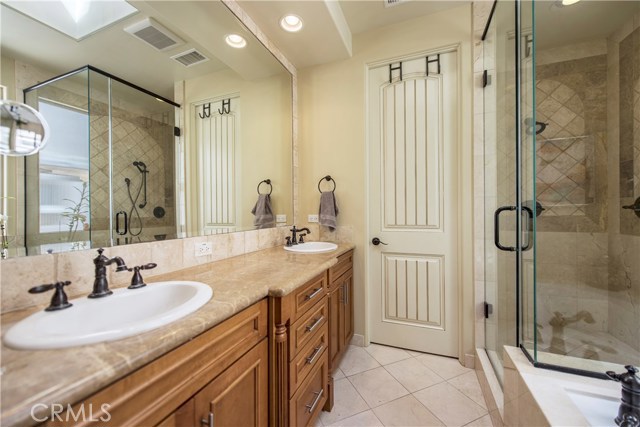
{"type": "Point", "coordinates": [171, 121]}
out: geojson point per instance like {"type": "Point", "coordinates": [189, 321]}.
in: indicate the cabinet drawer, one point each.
{"type": "Point", "coordinates": [303, 330]}
{"type": "Point", "coordinates": [345, 263]}
{"type": "Point", "coordinates": [307, 403]}
{"type": "Point", "coordinates": [308, 295]}
{"type": "Point", "coordinates": [308, 358]}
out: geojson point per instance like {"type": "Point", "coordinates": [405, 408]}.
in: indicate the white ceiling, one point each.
{"type": "Point", "coordinates": [329, 24]}
{"type": "Point", "coordinates": [326, 36]}
{"type": "Point", "coordinates": [365, 15]}
{"type": "Point", "coordinates": [318, 42]}
{"type": "Point", "coordinates": [583, 21]}
{"type": "Point", "coordinates": [203, 24]}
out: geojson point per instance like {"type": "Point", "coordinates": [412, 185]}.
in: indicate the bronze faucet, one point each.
{"type": "Point", "coordinates": [294, 231]}
{"type": "Point", "coordinates": [101, 285]}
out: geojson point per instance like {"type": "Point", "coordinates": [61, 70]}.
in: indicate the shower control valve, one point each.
{"type": "Point", "coordinates": [137, 281]}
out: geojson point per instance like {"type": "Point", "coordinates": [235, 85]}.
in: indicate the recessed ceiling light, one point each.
{"type": "Point", "coordinates": [235, 40]}
{"type": "Point", "coordinates": [291, 23]}
{"type": "Point", "coordinates": [569, 2]}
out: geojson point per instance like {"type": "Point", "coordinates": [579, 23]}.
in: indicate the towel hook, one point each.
{"type": "Point", "coordinates": [268, 182]}
{"type": "Point", "coordinates": [206, 111]}
{"type": "Point", "coordinates": [226, 106]}
{"type": "Point", "coordinates": [327, 178]}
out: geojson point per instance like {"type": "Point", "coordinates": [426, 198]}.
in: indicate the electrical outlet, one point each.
{"type": "Point", "coordinates": [204, 249]}
{"type": "Point", "coordinates": [313, 218]}
{"type": "Point", "coordinates": [281, 218]}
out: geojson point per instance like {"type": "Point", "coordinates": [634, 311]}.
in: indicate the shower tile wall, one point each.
{"type": "Point", "coordinates": [624, 243]}
{"type": "Point", "coordinates": [588, 163]}
{"type": "Point", "coordinates": [571, 184]}
{"type": "Point", "coordinates": [135, 137]}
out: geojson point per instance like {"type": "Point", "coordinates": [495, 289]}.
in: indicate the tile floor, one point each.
{"type": "Point", "coordinates": [387, 386]}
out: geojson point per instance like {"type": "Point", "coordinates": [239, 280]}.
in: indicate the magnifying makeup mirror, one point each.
{"type": "Point", "coordinates": [23, 130]}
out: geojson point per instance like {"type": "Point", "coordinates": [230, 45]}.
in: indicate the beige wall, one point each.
{"type": "Point", "coordinates": [265, 132]}
{"type": "Point", "coordinates": [332, 136]}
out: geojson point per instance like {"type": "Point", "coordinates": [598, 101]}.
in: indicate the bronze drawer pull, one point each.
{"type": "Point", "coordinates": [311, 407]}
{"type": "Point", "coordinates": [315, 354]}
{"type": "Point", "coordinates": [313, 294]}
{"type": "Point", "coordinates": [315, 324]}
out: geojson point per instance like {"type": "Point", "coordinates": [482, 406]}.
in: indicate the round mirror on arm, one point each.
{"type": "Point", "coordinates": [23, 130]}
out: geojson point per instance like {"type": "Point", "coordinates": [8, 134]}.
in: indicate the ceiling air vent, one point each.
{"type": "Point", "coordinates": [149, 31]}
{"type": "Point", "coordinates": [390, 3]}
{"type": "Point", "coordinates": [190, 57]}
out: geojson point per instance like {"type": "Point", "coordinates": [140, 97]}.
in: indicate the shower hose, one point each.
{"type": "Point", "coordinates": [134, 208]}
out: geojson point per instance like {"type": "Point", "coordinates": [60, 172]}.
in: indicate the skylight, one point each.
{"type": "Point", "coordinates": [75, 18]}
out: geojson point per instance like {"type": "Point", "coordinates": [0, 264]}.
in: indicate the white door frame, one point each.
{"type": "Point", "coordinates": [462, 263]}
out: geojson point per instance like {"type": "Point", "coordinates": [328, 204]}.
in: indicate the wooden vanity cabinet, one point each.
{"type": "Point", "coordinates": [298, 345]}
{"type": "Point", "coordinates": [309, 331]}
{"type": "Point", "coordinates": [238, 396]}
{"type": "Point", "coordinates": [340, 308]}
{"type": "Point", "coordinates": [223, 371]}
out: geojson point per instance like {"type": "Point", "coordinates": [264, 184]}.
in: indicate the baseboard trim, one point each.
{"type": "Point", "coordinates": [469, 361]}
{"type": "Point", "coordinates": [357, 340]}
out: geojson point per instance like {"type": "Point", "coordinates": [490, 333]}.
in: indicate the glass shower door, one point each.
{"type": "Point", "coordinates": [509, 227]}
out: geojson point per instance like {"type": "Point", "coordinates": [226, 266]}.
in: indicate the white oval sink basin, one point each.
{"type": "Point", "coordinates": [126, 313]}
{"type": "Point", "coordinates": [312, 247]}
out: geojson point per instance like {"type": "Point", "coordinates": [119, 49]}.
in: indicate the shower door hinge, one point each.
{"type": "Point", "coordinates": [486, 79]}
{"type": "Point", "coordinates": [176, 131]}
{"type": "Point", "coordinates": [488, 310]}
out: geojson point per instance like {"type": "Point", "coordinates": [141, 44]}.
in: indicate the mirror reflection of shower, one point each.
{"type": "Point", "coordinates": [104, 132]}
{"type": "Point", "coordinates": [134, 213]}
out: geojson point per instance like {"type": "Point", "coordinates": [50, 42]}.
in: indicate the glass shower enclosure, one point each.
{"type": "Point", "coordinates": [509, 187]}
{"type": "Point", "coordinates": [107, 174]}
{"type": "Point", "coordinates": [562, 183]}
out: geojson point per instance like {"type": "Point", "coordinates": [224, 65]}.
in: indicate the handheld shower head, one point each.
{"type": "Point", "coordinates": [142, 167]}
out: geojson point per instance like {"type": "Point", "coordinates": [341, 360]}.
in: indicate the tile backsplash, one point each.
{"type": "Point", "coordinates": [17, 275]}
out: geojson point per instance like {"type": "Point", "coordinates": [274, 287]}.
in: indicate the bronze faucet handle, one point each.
{"type": "Point", "coordinates": [59, 299]}
{"type": "Point", "coordinates": [148, 266]}
{"type": "Point", "coordinates": [137, 281]}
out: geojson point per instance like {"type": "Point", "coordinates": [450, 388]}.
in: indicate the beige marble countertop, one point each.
{"type": "Point", "coordinates": [69, 375]}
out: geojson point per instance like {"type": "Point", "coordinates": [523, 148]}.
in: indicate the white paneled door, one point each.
{"type": "Point", "coordinates": [216, 125]}
{"type": "Point", "coordinates": [413, 139]}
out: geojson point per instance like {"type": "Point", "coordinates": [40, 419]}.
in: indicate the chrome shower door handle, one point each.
{"type": "Point", "coordinates": [496, 228]}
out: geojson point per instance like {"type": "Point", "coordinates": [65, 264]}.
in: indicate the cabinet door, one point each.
{"type": "Point", "coordinates": [335, 326]}
{"type": "Point", "coordinates": [238, 396]}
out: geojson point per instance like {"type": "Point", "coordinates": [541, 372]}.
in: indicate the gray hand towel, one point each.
{"type": "Point", "coordinates": [328, 210]}
{"type": "Point", "coordinates": [263, 212]}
